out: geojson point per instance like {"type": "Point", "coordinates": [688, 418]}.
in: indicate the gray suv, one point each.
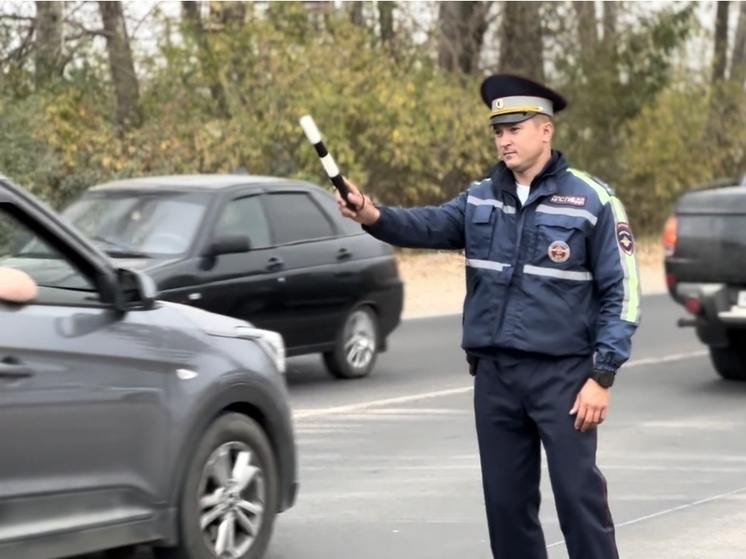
{"type": "Point", "coordinates": [128, 421]}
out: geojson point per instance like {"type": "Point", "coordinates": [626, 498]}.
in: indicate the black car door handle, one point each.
{"type": "Point", "coordinates": [274, 263]}
{"type": "Point", "coordinates": [11, 369]}
{"type": "Point", "coordinates": [343, 253]}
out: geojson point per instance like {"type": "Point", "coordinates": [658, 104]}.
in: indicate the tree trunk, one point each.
{"type": "Point", "coordinates": [121, 64]}
{"type": "Point", "coordinates": [193, 21]}
{"type": "Point", "coordinates": [587, 31]}
{"type": "Point", "coordinates": [610, 20]}
{"type": "Point", "coordinates": [226, 13]}
{"type": "Point", "coordinates": [521, 40]}
{"type": "Point", "coordinates": [462, 28]}
{"type": "Point", "coordinates": [48, 41]}
{"type": "Point", "coordinates": [386, 21]}
{"type": "Point", "coordinates": [355, 9]}
{"type": "Point", "coordinates": [720, 53]}
{"type": "Point", "coordinates": [738, 62]}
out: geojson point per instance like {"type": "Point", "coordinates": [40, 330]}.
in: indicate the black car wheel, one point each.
{"type": "Point", "coordinates": [729, 362]}
{"type": "Point", "coordinates": [230, 497]}
{"type": "Point", "coordinates": [356, 346]}
{"type": "Point", "coordinates": [127, 552]}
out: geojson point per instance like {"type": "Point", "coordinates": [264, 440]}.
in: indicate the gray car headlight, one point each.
{"type": "Point", "coordinates": [271, 342]}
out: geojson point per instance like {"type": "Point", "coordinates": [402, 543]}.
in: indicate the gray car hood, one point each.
{"type": "Point", "coordinates": [212, 323]}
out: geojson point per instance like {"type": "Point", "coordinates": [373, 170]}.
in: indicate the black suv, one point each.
{"type": "Point", "coordinates": [269, 250]}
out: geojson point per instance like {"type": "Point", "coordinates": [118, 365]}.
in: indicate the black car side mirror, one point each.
{"type": "Point", "coordinates": [228, 244]}
{"type": "Point", "coordinates": [137, 290]}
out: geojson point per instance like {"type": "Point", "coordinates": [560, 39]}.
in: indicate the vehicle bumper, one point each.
{"type": "Point", "coordinates": [287, 454]}
{"type": "Point", "coordinates": [290, 496]}
{"type": "Point", "coordinates": [721, 307]}
{"type": "Point", "coordinates": [289, 477]}
{"type": "Point", "coordinates": [389, 304]}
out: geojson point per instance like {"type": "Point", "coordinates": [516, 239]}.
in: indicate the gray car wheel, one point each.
{"type": "Point", "coordinates": [356, 346]}
{"type": "Point", "coordinates": [230, 498]}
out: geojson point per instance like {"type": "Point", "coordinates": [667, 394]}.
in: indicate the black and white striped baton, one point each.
{"type": "Point", "coordinates": [314, 136]}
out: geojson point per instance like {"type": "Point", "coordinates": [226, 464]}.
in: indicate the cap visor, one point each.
{"type": "Point", "coordinates": [512, 118]}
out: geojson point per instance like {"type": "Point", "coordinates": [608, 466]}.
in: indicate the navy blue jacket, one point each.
{"type": "Point", "coordinates": [557, 276]}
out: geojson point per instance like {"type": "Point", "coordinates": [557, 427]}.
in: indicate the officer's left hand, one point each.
{"type": "Point", "coordinates": [590, 406]}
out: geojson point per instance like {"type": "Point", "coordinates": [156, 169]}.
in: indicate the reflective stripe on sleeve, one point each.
{"type": "Point", "coordinates": [489, 202]}
{"type": "Point", "coordinates": [486, 264]}
{"type": "Point", "coordinates": [631, 303]}
{"type": "Point", "coordinates": [631, 282]}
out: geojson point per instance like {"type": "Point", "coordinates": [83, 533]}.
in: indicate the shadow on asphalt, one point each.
{"type": "Point", "coordinates": [719, 387]}
{"type": "Point", "coordinates": [307, 370]}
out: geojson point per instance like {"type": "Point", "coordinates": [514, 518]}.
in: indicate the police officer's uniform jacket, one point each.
{"type": "Point", "coordinates": [556, 276]}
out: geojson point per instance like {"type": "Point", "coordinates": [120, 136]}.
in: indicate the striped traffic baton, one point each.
{"type": "Point", "coordinates": [314, 136]}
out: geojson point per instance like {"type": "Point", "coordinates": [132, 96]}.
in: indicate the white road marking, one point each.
{"type": "Point", "coordinates": [735, 492]}
{"type": "Point", "coordinates": [322, 412]}
{"type": "Point", "coordinates": [304, 414]}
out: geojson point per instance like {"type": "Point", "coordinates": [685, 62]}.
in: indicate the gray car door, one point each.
{"type": "Point", "coordinates": [82, 425]}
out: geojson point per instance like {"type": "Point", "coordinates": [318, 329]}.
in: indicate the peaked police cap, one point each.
{"type": "Point", "coordinates": [513, 98]}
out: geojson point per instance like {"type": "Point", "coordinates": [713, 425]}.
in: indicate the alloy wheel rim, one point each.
{"type": "Point", "coordinates": [360, 340]}
{"type": "Point", "coordinates": [232, 496]}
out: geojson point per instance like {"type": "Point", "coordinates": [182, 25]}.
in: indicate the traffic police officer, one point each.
{"type": "Point", "coordinates": [552, 302]}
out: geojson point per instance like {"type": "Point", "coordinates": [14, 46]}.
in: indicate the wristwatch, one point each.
{"type": "Point", "coordinates": [604, 378]}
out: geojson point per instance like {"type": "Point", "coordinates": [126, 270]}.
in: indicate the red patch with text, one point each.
{"type": "Point", "coordinates": [624, 238]}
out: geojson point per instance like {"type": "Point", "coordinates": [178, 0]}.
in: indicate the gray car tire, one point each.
{"type": "Point", "coordinates": [237, 429]}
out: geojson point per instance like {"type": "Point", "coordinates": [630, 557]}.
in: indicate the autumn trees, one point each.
{"type": "Point", "coordinates": [93, 90]}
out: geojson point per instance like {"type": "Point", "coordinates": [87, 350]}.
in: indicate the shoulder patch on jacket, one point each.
{"type": "Point", "coordinates": [624, 238]}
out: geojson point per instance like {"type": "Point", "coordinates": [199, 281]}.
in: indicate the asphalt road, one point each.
{"type": "Point", "coordinates": [389, 464]}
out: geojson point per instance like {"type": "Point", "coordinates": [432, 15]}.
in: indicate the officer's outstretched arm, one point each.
{"type": "Point", "coordinates": [615, 272]}
{"type": "Point", "coordinates": [437, 227]}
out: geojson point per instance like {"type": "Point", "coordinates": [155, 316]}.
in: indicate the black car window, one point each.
{"type": "Point", "coordinates": [296, 217]}
{"type": "Point", "coordinates": [329, 202]}
{"type": "Point", "coordinates": [245, 216]}
{"type": "Point", "coordinates": [59, 281]}
{"type": "Point", "coordinates": [139, 223]}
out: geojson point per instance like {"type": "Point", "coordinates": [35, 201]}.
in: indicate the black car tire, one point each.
{"type": "Point", "coordinates": [729, 362]}
{"type": "Point", "coordinates": [126, 552]}
{"type": "Point", "coordinates": [228, 428]}
{"type": "Point", "coordinates": [361, 323]}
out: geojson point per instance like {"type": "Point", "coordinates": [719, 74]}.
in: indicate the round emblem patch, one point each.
{"type": "Point", "coordinates": [558, 251]}
{"type": "Point", "coordinates": [624, 238]}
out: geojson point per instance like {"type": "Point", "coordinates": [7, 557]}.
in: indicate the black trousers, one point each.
{"type": "Point", "coordinates": [520, 402]}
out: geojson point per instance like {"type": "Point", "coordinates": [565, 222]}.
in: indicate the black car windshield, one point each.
{"type": "Point", "coordinates": [139, 224]}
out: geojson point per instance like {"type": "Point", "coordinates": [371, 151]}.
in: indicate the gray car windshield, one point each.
{"type": "Point", "coordinates": [137, 224]}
